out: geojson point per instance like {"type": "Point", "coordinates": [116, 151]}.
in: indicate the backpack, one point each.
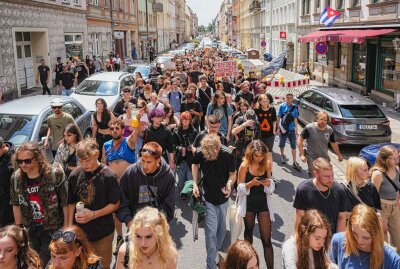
{"type": "Point", "coordinates": [169, 97]}
{"type": "Point", "coordinates": [287, 118]}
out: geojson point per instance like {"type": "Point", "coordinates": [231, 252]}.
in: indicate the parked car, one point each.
{"type": "Point", "coordinates": [106, 85]}
{"type": "Point", "coordinates": [369, 153]}
{"type": "Point", "coordinates": [25, 119]}
{"type": "Point", "coordinates": [166, 61]}
{"type": "Point", "coordinates": [144, 69]}
{"type": "Point", "coordinates": [355, 119]}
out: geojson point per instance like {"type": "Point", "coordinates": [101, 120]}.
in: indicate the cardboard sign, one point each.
{"type": "Point", "coordinates": [226, 69]}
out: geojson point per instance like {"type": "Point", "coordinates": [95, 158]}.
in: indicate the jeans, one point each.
{"type": "Point", "coordinates": [40, 241]}
{"type": "Point", "coordinates": [66, 92]}
{"type": "Point", "coordinates": [184, 174]}
{"type": "Point", "coordinates": [45, 88]}
{"type": "Point", "coordinates": [292, 139]}
{"type": "Point", "coordinates": [214, 228]}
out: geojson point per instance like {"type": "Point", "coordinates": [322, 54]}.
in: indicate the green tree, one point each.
{"type": "Point", "coordinates": [202, 29]}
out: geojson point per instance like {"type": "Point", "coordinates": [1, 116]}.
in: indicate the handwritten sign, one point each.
{"type": "Point", "coordinates": [226, 69]}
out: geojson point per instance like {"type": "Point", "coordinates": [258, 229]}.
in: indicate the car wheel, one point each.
{"type": "Point", "coordinates": [88, 134]}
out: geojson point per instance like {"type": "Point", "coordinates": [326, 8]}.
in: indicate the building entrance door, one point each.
{"type": "Point", "coordinates": [25, 72]}
{"type": "Point", "coordinates": [371, 67]}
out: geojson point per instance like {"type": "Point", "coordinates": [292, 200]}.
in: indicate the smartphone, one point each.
{"type": "Point", "coordinates": [262, 179]}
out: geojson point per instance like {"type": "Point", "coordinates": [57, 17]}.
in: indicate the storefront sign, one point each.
{"type": "Point", "coordinates": [119, 35]}
{"type": "Point", "coordinates": [226, 69]}
{"type": "Point", "coordinates": [321, 47]}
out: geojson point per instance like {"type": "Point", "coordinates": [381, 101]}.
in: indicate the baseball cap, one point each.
{"type": "Point", "coordinates": [56, 102]}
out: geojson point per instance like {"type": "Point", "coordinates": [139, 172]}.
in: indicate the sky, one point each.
{"type": "Point", "coordinates": [206, 10]}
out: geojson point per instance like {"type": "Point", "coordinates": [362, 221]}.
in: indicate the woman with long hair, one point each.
{"type": "Point", "coordinates": [220, 108]}
{"type": "Point", "coordinates": [170, 120]}
{"type": "Point", "coordinates": [70, 249]}
{"type": "Point", "coordinates": [147, 91]}
{"type": "Point", "coordinates": [359, 188]}
{"type": "Point", "coordinates": [66, 154]}
{"type": "Point", "coordinates": [163, 93]}
{"type": "Point", "coordinates": [127, 118]}
{"type": "Point", "coordinates": [15, 250]}
{"type": "Point", "coordinates": [243, 106]}
{"type": "Point", "coordinates": [100, 120]}
{"type": "Point", "coordinates": [362, 245]}
{"type": "Point", "coordinates": [308, 248]}
{"type": "Point", "coordinates": [150, 245]}
{"type": "Point", "coordinates": [386, 178]}
{"type": "Point", "coordinates": [254, 190]}
{"type": "Point", "coordinates": [241, 255]}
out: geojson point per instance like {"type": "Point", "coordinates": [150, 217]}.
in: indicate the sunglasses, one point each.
{"type": "Point", "coordinates": [56, 107]}
{"type": "Point", "coordinates": [139, 107]}
{"type": "Point", "coordinates": [27, 161]}
{"type": "Point", "coordinates": [115, 129]}
{"type": "Point", "coordinates": [151, 152]}
{"type": "Point", "coordinates": [127, 91]}
{"type": "Point", "coordinates": [67, 236]}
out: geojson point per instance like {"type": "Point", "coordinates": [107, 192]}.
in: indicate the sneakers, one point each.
{"type": "Point", "coordinates": [296, 166]}
{"type": "Point", "coordinates": [117, 245]}
{"type": "Point", "coordinates": [284, 159]}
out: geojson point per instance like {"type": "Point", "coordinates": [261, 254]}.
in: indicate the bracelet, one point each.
{"type": "Point", "coordinates": [94, 214]}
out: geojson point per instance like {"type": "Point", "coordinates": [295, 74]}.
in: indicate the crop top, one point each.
{"type": "Point", "coordinates": [123, 152]}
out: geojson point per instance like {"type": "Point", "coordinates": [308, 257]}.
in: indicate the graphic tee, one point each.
{"type": "Point", "coordinates": [32, 187]}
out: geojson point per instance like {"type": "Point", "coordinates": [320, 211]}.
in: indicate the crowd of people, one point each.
{"type": "Point", "coordinates": [218, 135]}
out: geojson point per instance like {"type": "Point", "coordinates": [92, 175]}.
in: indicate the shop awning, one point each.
{"type": "Point", "coordinates": [344, 36]}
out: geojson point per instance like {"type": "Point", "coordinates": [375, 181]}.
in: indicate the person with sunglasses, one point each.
{"type": "Point", "coordinates": [148, 182]}
{"type": "Point", "coordinates": [15, 250]}
{"type": "Point", "coordinates": [96, 186]}
{"type": "Point", "coordinates": [38, 195]}
{"type": "Point", "coordinates": [56, 124]}
{"type": "Point", "coordinates": [126, 97]}
{"type": "Point", "coordinates": [70, 249]}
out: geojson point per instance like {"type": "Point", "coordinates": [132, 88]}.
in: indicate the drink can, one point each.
{"type": "Point", "coordinates": [80, 207]}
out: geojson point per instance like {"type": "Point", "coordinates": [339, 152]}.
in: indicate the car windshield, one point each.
{"type": "Point", "coordinates": [163, 60]}
{"type": "Point", "coordinates": [144, 70]}
{"type": "Point", "coordinates": [17, 129]}
{"type": "Point", "coordinates": [361, 111]}
{"type": "Point", "coordinates": [98, 87]}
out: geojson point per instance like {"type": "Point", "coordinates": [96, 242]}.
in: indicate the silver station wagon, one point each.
{"type": "Point", "coordinates": [355, 119]}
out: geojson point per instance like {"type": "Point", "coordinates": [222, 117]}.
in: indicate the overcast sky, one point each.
{"type": "Point", "coordinates": [206, 10]}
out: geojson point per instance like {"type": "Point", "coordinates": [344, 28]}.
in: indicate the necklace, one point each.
{"type": "Point", "coordinates": [150, 256]}
{"type": "Point", "coordinates": [325, 197]}
{"type": "Point", "coordinates": [362, 260]}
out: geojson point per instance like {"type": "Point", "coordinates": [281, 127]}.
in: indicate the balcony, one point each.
{"type": "Point", "coordinates": [255, 6]}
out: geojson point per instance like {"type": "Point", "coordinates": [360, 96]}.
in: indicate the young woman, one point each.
{"type": "Point", "coordinates": [266, 115]}
{"type": "Point", "coordinates": [127, 118]}
{"type": "Point", "coordinates": [147, 91]}
{"type": "Point", "coordinates": [100, 120]}
{"type": "Point", "coordinates": [359, 189]}
{"type": "Point", "coordinates": [150, 245]}
{"type": "Point", "coordinates": [163, 93]}
{"type": "Point", "coordinates": [15, 250]}
{"type": "Point", "coordinates": [70, 249]}
{"type": "Point", "coordinates": [362, 245]}
{"type": "Point", "coordinates": [308, 248]}
{"type": "Point", "coordinates": [155, 102]}
{"type": "Point", "coordinates": [170, 120]}
{"type": "Point", "coordinates": [385, 176]}
{"type": "Point", "coordinates": [224, 112]}
{"type": "Point", "coordinates": [254, 189]}
{"type": "Point", "coordinates": [243, 106]}
{"type": "Point", "coordinates": [241, 255]}
{"type": "Point", "coordinates": [66, 154]}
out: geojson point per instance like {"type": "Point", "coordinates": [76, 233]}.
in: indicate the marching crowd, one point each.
{"type": "Point", "coordinates": [217, 134]}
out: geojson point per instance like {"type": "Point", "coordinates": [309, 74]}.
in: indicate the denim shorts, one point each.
{"type": "Point", "coordinates": [292, 139]}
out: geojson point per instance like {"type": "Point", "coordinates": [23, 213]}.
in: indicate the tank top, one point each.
{"type": "Point", "coordinates": [123, 152]}
{"type": "Point", "coordinates": [100, 124]}
{"type": "Point", "coordinates": [257, 199]}
{"type": "Point", "coordinates": [387, 191]}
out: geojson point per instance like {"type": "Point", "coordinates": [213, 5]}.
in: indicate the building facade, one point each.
{"type": "Point", "coordinates": [363, 46]}
{"type": "Point", "coordinates": [148, 34]}
{"type": "Point", "coordinates": [35, 30]}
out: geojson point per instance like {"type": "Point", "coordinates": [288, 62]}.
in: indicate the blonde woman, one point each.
{"type": "Point", "coordinates": [359, 189]}
{"type": "Point", "coordinates": [385, 176]}
{"type": "Point", "coordinates": [362, 245]}
{"type": "Point", "coordinates": [163, 93]}
{"type": "Point", "coordinates": [150, 245]}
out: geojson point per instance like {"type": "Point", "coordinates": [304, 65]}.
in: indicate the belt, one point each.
{"type": "Point", "coordinates": [388, 202]}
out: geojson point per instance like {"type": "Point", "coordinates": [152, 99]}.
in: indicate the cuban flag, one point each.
{"type": "Point", "coordinates": [329, 16]}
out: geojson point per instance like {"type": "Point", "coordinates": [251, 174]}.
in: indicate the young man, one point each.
{"type": "Point", "coordinates": [66, 80]}
{"type": "Point", "coordinates": [82, 71]}
{"type": "Point", "coordinates": [324, 194]}
{"type": "Point", "coordinates": [43, 72]}
{"type": "Point", "coordinates": [56, 124]}
{"type": "Point", "coordinates": [38, 196]}
{"type": "Point", "coordinates": [194, 108]}
{"type": "Point", "coordinates": [126, 97]}
{"type": "Point", "coordinates": [96, 185]}
{"type": "Point", "coordinates": [318, 135]}
{"type": "Point", "coordinates": [148, 182]}
{"type": "Point", "coordinates": [287, 128]}
{"type": "Point", "coordinates": [244, 93]}
{"type": "Point", "coordinates": [214, 123]}
{"type": "Point", "coordinates": [175, 97]}
{"type": "Point", "coordinates": [204, 95]}
{"type": "Point", "coordinates": [58, 68]}
{"type": "Point", "coordinates": [218, 169]}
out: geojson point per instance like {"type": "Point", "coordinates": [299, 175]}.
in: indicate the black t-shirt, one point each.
{"type": "Point", "coordinates": [247, 134]}
{"type": "Point", "coordinates": [59, 69]}
{"type": "Point", "coordinates": [194, 75]}
{"type": "Point", "coordinates": [202, 134]}
{"type": "Point", "coordinates": [266, 120]}
{"type": "Point", "coordinates": [204, 96]}
{"type": "Point", "coordinates": [368, 194]}
{"type": "Point", "coordinates": [248, 96]}
{"type": "Point", "coordinates": [43, 69]}
{"type": "Point", "coordinates": [227, 87]}
{"type": "Point", "coordinates": [107, 191]}
{"type": "Point", "coordinates": [67, 79]}
{"type": "Point", "coordinates": [82, 72]}
{"type": "Point", "coordinates": [215, 174]}
{"type": "Point", "coordinates": [309, 197]}
{"type": "Point", "coordinates": [119, 107]}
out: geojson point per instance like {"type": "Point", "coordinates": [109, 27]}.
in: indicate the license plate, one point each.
{"type": "Point", "coordinates": [367, 127]}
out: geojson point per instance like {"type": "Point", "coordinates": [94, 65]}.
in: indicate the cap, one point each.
{"type": "Point", "coordinates": [56, 102]}
{"type": "Point", "coordinates": [250, 115]}
{"type": "Point", "coordinates": [1, 141]}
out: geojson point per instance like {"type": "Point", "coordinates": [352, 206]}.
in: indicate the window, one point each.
{"type": "Point", "coordinates": [328, 106]}
{"type": "Point", "coordinates": [74, 44]}
{"type": "Point", "coordinates": [359, 63]}
{"type": "Point", "coordinates": [355, 3]}
{"type": "Point", "coordinates": [318, 100]}
{"type": "Point", "coordinates": [388, 79]}
{"type": "Point", "coordinates": [113, 4]}
{"type": "Point", "coordinates": [72, 109]}
{"type": "Point", "coordinates": [307, 96]}
{"type": "Point", "coordinates": [67, 2]}
{"type": "Point", "coordinates": [339, 55]}
{"type": "Point", "coordinates": [361, 111]}
{"type": "Point", "coordinates": [121, 5]}
{"type": "Point", "coordinates": [306, 7]}
{"type": "Point", "coordinates": [77, 2]}
{"type": "Point", "coordinates": [339, 4]}
{"type": "Point", "coordinates": [94, 2]}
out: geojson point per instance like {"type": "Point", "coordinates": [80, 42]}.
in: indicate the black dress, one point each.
{"type": "Point", "coordinates": [257, 199]}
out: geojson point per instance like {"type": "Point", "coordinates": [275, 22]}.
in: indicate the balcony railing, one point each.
{"type": "Point", "coordinates": [255, 6]}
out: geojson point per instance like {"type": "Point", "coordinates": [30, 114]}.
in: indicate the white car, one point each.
{"type": "Point", "coordinates": [105, 85]}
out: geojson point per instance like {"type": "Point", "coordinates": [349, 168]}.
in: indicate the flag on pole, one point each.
{"type": "Point", "coordinates": [329, 16]}
{"type": "Point", "coordinates": [274, 65]}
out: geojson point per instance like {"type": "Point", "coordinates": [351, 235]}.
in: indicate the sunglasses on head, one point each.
{"type": "Point", "coordinates": [151, 152]}
{"type": "Point", "coordinates": [67, 236]}
{"type": "Point", "coordinates": [56, 107]}
{"type": "Point", "coordinates": [27, 161]}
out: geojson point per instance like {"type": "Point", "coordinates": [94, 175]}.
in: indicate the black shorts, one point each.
{"type": "Point", "coordinates": [269, 142]}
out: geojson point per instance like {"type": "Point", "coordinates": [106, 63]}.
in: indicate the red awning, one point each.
{"type": "Point", "coordinates": [344, 36]}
